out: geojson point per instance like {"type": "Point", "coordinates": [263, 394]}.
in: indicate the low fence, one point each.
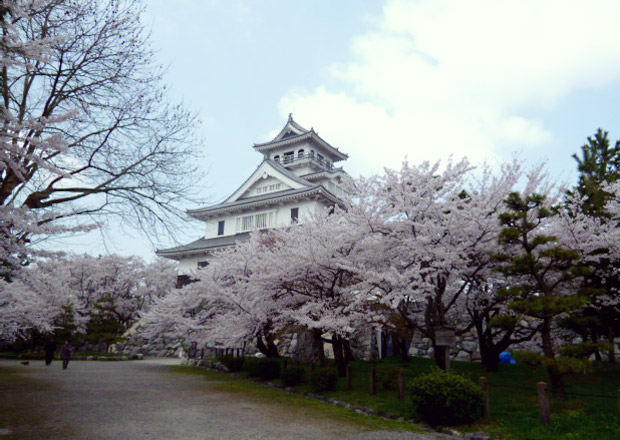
{"type": "Point", "coordinates": [542, 392]}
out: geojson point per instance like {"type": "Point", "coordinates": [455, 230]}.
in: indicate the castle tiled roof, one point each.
{"type": "Point", "coordinates": [202, 245]}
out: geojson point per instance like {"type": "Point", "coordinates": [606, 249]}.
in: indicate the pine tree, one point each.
{"type": "Point", "coordinates": [104, 328]}
{"type": "Point", "coordinates": [544, 273]}
{"type": "Point", "coordinates": [598, 165]}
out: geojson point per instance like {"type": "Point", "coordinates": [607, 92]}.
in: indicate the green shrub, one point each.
{"type": "Point", "coordinates": [292, 375]}
{"type": "Point", "coordinates": [527, 357]}
{"type": "Point", "coordinates": [263, 368]}
{"type": "Point", "coordinates": [583, 350]}
{"type": "Point", "coordinates": [233, 364]}
{"type": "Point", "coordinates": [323, 379]}
{"type": "Point", "coordinates": [568, 365]}
{"type": "Point", "coordinates": [387, 377]}
{"type": "Point", "coordinates": [441, 398]}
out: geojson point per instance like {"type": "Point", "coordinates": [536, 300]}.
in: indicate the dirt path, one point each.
{"type": "Point", "coordinates": [144, 400]}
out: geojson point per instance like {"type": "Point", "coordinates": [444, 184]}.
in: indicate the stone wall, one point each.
{"type": "Point", "coordinates": [466, 347]}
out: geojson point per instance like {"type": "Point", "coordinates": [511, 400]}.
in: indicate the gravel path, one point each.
{"type": "Point", "coordinates": [144, 400]}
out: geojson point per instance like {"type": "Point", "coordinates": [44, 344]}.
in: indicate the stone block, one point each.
{"type": "Point", "coordinates": [462, 356]}
{"type": "Point", "coordinates": [469, 346]}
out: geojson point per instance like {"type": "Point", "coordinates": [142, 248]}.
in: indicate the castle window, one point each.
{"type": "Point", "coordinates": [202, 264]}
{"type": "Point", "coordinates": [289, 156]}
{"type": "Point", "coordinates": [276, 158]}
{"type": "Point", "coordinates": [256, 221]}
{"type": "Point", "coordinates": [220, 227]}
{"type": "Point", "coordinates": [294, 215]}
{"type": "Point", "coordinates": [268, 188]}
{"type": "Point", "coordinates": [300, 154]}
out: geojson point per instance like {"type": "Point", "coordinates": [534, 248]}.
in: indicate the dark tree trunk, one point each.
{"type": "Point", "coordinates": [440, 356]}
{"type": "Point", "coordinates": [348, 354]}
{"type": "Point", "coordinates": [341, 364]}
{"type": "Point", "coordinates": [400, 346]}
{"type": "Point", "coordinates": [261, 345]}
{"type": "Point", "coordinates": [319, 347]}
{"type": "Point", "coordinates": [396, 347]}
{"type": "Point", "coordinates": [490, 350]}
{"type": "Point", "coordinates": [272, 349]}
{"type": "Point", "coordinates": [35, 336]}
{"type": "Point", "coordinates": [483, 346]}
{"type": "Point", "coordinates": [557, 383]}
{"type": "Point", "coordinates": [597, 353]}
{"type": "Point", "coordinates": [491, 360]}
{"type": "Point", "coordinates": [612, 346]}
{"type": "Point", "coordinates": [267, 347]}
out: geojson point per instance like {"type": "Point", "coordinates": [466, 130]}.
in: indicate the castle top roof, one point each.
{"type": "Point", "coordinates": [292, 134]}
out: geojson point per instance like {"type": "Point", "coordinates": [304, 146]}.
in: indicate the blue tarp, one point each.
{"type": "Point", "coordinates": [506, 358]}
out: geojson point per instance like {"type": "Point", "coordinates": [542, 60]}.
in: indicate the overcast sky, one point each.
{"type": "Point", "coordinates": [382, 81]}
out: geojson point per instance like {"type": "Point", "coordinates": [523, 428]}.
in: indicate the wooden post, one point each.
{"type": "Point", "coordinates": [401, 384]}
{"type": "Point", "coordinates": [349, 377]}
{"type": "Point", "coordinates": [543, 402]}
{"type": "Point", "coordinates": [484, 384]}
{"type": "Point", "coordinates": [619, 401]}
{"type": "Point", "coordinates": [373, 381]}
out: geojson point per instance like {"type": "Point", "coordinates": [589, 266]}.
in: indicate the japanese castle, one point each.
{"type": "Point", "coordinates": [296, 177]}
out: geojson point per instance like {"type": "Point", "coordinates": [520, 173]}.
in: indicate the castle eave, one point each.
{"type": "Point", "coordinates": [262, 201]}
{"type": "Point", "coordinates": [311, 136]}
{"type": "Point", "coordinates": [201, 246]}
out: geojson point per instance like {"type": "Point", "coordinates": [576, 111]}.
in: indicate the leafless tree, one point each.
{"type": "Point", "coordinates": [87, 129]}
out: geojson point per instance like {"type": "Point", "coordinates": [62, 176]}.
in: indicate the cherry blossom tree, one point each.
{"type": "Point", "coordinates": [127, 283]}
{"type": "Point", "coordinates": [435, 228]}
{"type": "Point", "coordinates": [31, 304]}
{"type": "Point", "coordinates": [75, 288]}
{"type": "Point", "coordinates": [317, 263]}
{"type": "Point", "coordinates": [283, 280]}
{"type": "Point", "coordinates": [230, 302]}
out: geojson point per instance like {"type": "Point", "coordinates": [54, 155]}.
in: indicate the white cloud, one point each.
{"type": "Point", "coordinates": [440, 77]}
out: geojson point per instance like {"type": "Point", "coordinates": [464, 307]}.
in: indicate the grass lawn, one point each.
{"type": "Point", "coordinates": [260, 393]}
{"type": "Point", "coordinates": [514, 405]}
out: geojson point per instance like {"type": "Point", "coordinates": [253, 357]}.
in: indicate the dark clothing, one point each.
{"type": "Point", "coordinates": [65, 354]}
{"type": "Point", "coordinates": [50, 349]}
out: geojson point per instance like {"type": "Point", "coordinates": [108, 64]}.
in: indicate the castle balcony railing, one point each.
{"type": "Point", "coordinates": [306, 157]}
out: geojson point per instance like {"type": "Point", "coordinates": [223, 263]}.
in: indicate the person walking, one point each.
{"type": "Point", "coordinates": [50, 350]}
{"type": "Point", "coordinates": [65, 354]}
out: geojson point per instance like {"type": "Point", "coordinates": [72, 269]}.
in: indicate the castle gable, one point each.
{"type": "Point", "coordinates": [269, 177]}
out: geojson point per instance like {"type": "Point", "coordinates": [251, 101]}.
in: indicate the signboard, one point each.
{"type": "Point", "coordinates": [444, 336]}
